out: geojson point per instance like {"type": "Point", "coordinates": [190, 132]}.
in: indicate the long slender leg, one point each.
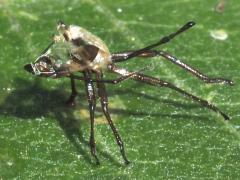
{"type": "Point", "coordinates": [74, 93]}
{"type": "Point", "coordinates": [163, 40]}
{"type": "Point", "coordinates": [118, 57]}
{"type": "Point", "coordinates": [123, 56]}
{"type": "Point", "coordinates": [92, 105]}
{"type": "Point", "coordinates": [112, 81]}
{"type": "Point", "coordinates": [104, 103]}
{"type": "Point", "coordinates": [158, 82]}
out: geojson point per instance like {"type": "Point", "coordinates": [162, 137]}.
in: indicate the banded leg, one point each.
{"type": "Point", "coordinates": [118, 57]}
{"type": "Point", "coordinates": [74, 93]}
{"type": "Point", "coordinates": [92, 105]}
{"type": "Point", "coordinates": [104, 103]}
{"type": "Point", "coordinates": [158, 82]}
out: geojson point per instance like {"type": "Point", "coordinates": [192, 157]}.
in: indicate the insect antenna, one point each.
{"type": "Point", "coordinates": [46, 49]}
{"type": "Point", "coordinates": [163, 40]}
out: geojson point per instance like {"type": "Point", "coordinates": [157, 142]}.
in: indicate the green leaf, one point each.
{"type": "Point", "coordinates": [166, 136]}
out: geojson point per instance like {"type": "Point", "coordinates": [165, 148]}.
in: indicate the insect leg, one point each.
{"type": "Point", "coordinates": [123, 56]}
{"type": "Point", "coordinates": [71, 100]}
{"type": "Point", "coordinates": [92, 104]}
{"type": "Point", "coordinates": [158, 82]}
{"type": "Point", "coordinates": [118, 57]}
{"type": "Point", "coordinates": [192, 70]}
{"type": "Point", "coordinates": [104, 103]}
{"type": "Point", "coordinates": [163, 40]}
{"type": "Point", "coordinates": [112, 81]}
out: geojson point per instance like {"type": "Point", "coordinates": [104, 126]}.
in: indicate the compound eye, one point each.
{"type": "Point", "coordinates": [29, 68]}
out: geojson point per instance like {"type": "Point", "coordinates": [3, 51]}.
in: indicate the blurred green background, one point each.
{"type": "Point", "coordinates": [166, 135]}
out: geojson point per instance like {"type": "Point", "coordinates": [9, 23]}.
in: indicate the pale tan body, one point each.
{"type": "Point", "coordinates": [72, 33]}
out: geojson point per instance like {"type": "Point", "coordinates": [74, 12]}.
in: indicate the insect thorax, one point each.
{"type": "Point", "coordinates": [77, 49]}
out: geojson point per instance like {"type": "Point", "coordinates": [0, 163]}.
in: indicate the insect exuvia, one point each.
{"type": "Point", "coordinates": [76, 50]}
